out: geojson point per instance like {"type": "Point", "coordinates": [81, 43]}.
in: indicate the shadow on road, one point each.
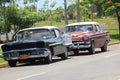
{"type": "Point", "coordinates": [86, 53]}
{"type": "Point", "coordinates": [57, 59]}
{"type": "Point", "coordinates": [40, 62]}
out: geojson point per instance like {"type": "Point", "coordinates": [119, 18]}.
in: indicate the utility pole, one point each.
{"type": "Point", "coordinates": [65, 10]}
{"type": "Point", "coordinates": [78, 11]}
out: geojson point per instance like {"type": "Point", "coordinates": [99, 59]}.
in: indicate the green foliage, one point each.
{"type": "Point", "coordinates": [1, 60]}
{"type": "Point", "coordinates": [21, 18]}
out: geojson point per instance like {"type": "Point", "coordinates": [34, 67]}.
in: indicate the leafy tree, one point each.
{"type": "Point", "coordinates": [59, 14]}
{"type": "Point", "coordinates": [21, 18]}
{"type": "Point", "coordinates": [71, 11]}
{"type": "Point", "coordinates": [49, 10]}
{"type": "Point", "coordinates": [34, 5]}
{"type": "Point", "coordinates": [3, 15]}
{"type": "Point", "coordinates": [84, 10]}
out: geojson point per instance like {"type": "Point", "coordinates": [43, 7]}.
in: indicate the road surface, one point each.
{"type": "Point", "coordinates": [100, 66]}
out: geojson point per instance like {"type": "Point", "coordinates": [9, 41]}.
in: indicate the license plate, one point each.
{"type": "Point", "coordinates": [24, 56]}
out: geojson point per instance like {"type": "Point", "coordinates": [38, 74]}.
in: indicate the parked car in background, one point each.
{"type": "Point", "coordinates": [37, 43]}
{"type": "Point", "coordinates": [87, 36]}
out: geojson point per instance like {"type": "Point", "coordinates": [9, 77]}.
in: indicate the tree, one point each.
{"type": "Point", "coordinates": [116, 3]}
{"type": "Point", "coordinates": [49, 10]}
{"type": "Point", "coordinates": [34, 5]}
{"type": "Point", "coordinates": [71, 10]}
{"type": "Point", "coordinates": [21, 18]}
{"type": "Point", "coordinates": [3, 10]}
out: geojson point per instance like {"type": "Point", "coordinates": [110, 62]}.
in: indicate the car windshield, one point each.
{"type": "Point", "coordinates": [34, 34]}
{"type": "Point", "coordinates": [79, 28]}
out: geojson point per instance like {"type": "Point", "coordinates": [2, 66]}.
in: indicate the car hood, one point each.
{"type": "Point", "coordinates": [79, 35]}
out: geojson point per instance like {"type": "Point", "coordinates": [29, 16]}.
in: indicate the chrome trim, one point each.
{"type": "Point", "coordinates": [80, 45]}
{"type": "Point", "coordinates": [39, 54]}
{"type": "Point", "coordinates": [30, 49]}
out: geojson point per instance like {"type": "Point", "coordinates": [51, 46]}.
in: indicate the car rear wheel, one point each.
{"type": "Point", "coordinates": [64, 55]}
{"type": "Point", "coordinates": [48, 59]}
{"type": "Point", "coordinates": [76, 52]}
{"type": "Point", "coordinates": [92, 48]}
{"type": "Point", "coordinates": [104, 47]}
{"type": "Point", "coordinates": [12, 63]}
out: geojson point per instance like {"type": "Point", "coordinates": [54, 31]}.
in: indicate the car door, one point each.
{"type": "Point", "coordinates": [96, 35]}
{"type": "Point", "coordinates": [99, 36]}
{"type": "Point", "coordinates": [57, 45]}
{"type": "Point", "coordinates": [102, 36]}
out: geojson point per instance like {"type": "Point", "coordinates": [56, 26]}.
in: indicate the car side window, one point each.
{"type": "Point", "coordinates": [53, 33]}
{"type": "Point", "coordinates": [95, 28]}
{"type": "Point", "coordinates": [100, 29]}
{"type": "Point", "coordinates": [57, 33]}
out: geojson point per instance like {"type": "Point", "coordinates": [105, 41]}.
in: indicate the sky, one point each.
{"type": "Point", "coordinates": [41, 2]}
{"type": "Point", "coordinates": [58, 3]}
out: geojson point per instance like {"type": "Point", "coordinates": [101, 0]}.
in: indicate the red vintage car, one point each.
{"type": "Point", "coordinates": [87, 36]}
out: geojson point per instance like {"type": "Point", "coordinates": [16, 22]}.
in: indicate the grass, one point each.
{"type": "Point", "coordinates": [111, 24]}
{"type": "Point", "coordinates": [1, 60]}
{"type": "Point", "coordinates": [114, 34]}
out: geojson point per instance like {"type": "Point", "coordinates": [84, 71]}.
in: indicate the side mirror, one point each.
{"type": "Point", "coordinates": [62, 33]}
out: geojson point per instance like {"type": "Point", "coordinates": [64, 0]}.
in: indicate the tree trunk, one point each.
{"type": "Point", "coordinates": [15, 32]}
{"type": "Point", "coordinates": [118, 16]}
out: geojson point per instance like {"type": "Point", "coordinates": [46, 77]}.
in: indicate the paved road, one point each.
{"type": "Point", "coordinates": [100, 66]}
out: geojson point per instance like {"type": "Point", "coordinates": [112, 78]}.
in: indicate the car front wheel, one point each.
{"type": "Point", "coordinates": [64, 55]}
{"type": "Point", "coordinates": [12, 63]}
{"type": "Point", "coordinates": [104, 47]}
{"type": "Point", "coordinates": [48, 59]}
{"type": "Point", "coordinates": [76, 52]}
{"type": "Point", "coordinates": [92, 48]}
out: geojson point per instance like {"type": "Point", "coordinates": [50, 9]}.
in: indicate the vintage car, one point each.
{"type": "Point", "coordinates": [87, 36]}
{"type": "Point", "coordinates": [37, 43]}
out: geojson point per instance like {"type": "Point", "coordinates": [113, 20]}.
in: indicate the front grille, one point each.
{"type": "Point", "coordinates": [80, 43]}
{"type": "Point", "coordinates": [13, 54]}
{"type": "Point", "coordinates": [77, 42]}
{"type": "Point", "coordinates": [22, 46]}
{"type": "Point", "coordinates": [19, 46]}
{"type": "Point", "coordinates": [24, 52]}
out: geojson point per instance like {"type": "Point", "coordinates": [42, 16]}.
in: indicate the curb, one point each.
{"type": "Point", "coordinates": [114, 43]}
{"type": "Point", "coordinates": [2, 65]}
{"type": "Point", "coordinates": [5, 64]}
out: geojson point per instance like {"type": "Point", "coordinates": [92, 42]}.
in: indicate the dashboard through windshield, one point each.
{"type": "Point", "coordinates": [34, 34]}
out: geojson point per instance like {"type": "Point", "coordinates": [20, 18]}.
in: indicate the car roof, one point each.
{"type": "Point", "coordinates": [82, 23]}
{"type": "Point", "coordinates": [42, 27]}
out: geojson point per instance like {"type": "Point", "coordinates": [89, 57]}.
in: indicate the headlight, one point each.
{"type": "Point", "coordinates": [86, 38]}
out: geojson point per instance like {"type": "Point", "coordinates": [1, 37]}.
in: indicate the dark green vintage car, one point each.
{"type": "Point", "coordinates": [37, 43]}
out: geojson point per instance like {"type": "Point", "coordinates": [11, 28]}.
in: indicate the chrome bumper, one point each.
{"type": "Point", "coordinates": [80, 45]}
{"type": "Point", "coordinates": [31, 53]}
